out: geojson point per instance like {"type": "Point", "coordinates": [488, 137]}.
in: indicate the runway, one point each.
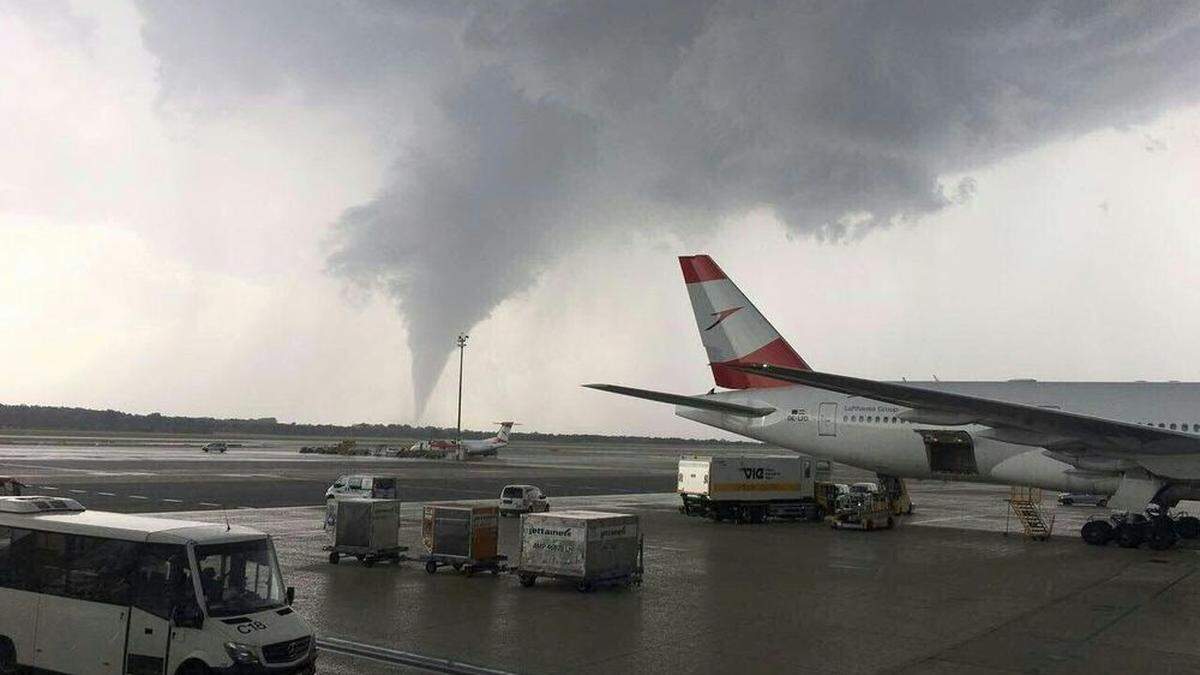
{"type": "Point", "coordinates": [133, 478]}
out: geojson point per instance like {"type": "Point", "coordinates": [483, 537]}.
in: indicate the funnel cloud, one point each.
{"type": "Point", "coordinates": [522, 128]}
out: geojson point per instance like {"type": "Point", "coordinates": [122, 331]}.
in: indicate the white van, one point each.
{"type": "Point", "coordinates": [109, 593]}
{"type": "Point", "coordinates": [367, 487]}
{"type": "Point", "coordinates": [516, 499]}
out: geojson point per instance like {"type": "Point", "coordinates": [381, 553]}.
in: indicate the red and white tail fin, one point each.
{"type": "Point", "coordinates": [731, 327]}
{"type": "Point", "coordinates": [505, 428]}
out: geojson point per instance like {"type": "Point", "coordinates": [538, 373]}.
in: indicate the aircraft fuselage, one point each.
{"type": "Point", "coordinates": [873, 435]}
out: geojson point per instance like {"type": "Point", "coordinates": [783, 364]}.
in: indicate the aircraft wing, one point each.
{"type": "Point", "coordinates": [689, 401]}
{"type": "Point", "coordinates": [1023, 424]}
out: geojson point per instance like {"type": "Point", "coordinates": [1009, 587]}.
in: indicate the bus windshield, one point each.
{"type": "Point", "coordinates": [239, 578]}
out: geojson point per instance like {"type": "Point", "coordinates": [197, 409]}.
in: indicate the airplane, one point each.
{"type": "Point", "coordinates": [488, 447]}
{"type": "Point", "coordinates": [1136, 441]}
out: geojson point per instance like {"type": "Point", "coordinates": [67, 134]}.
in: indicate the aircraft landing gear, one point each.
{"type": "Point", "coordinates": [1097, 532]}
{"type": "Point", "coordinates": [1157, 529]}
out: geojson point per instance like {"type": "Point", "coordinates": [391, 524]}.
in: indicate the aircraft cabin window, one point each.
{"type": "Point", "coordinates": [1161, 425]}
{"type": "Point", "coordinates": [1172, 425]}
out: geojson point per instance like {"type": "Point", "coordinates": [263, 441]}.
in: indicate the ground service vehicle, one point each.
{"type": "Point", "coordinates": [107, 593]}
{"type": "Point", "coordinates": [369, 487]}
{"type": "Point", "coordinates": [517, 499]}
{"type": "Point", "coordinates": [367, 529]}
{"type": "Point", "coordinates": [1072, 498]}
{"type": "Point", "coordinates": [749, 488]}
{"type": "Point", "coordinates": [863, 511]}
{"type": "Point", "coordinates": [586, 548]}
{"type": "Point", "coordinates": [463, 536]}
{"type": "Point", "coordinates": [216, 447]}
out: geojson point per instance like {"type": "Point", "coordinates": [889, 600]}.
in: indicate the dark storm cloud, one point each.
{"type": "Point", "coordinates": [839, 116]}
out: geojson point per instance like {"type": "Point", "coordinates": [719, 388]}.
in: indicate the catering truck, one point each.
{"type": "Point", "coordinates": [753, 488]}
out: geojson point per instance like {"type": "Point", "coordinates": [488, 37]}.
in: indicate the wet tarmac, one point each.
{"type": "Point", "coordinates": [778, 597]}
{"type": "Point", "coordinates": [947, 591]}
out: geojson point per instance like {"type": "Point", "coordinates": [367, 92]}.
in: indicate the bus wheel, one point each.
{"type": "Point", "coordinates": [8, 656]}
{"type": "Point", "coordinates": [193, 668]}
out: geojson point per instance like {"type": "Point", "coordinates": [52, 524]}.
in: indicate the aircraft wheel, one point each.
{"type": "Point", "coordinates": [1096, 532]}
{"type": "Point", "coordinates": [334, 558]}
{"type": "Point", "coordinates": [431, 567]}
{"type": "Point", "coordinates": [890, 523]}
{"type": "Point", "coordinates": [1188, 527]}
{"type": "Point", "coordinates": [1162, 538]}
{"type": "Point", "coordinates": [527, 580]}
{"type": "Point", "coordinates": [1128, 536]}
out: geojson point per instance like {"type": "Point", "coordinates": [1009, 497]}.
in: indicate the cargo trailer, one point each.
{"type": "Point", "coordinates": [587, 548]}
{"type": "Point", "coordinates": [463, 536]}
{"type": "Point", "coordinates": [367, 529]}
{"type": "Point", "coordinates": [753, 488]}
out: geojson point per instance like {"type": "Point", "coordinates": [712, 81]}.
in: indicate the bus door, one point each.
{"type": "Point", "coordinates": [82, 603]}
{"type": "Point", "coordinates": [160, 579]}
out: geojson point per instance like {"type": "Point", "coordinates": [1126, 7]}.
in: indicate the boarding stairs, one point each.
{"type": "Point", "coordinates": [1026, 504]}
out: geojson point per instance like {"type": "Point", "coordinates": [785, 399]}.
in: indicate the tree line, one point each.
{"type": "Point", "coordinates": [53, 418]}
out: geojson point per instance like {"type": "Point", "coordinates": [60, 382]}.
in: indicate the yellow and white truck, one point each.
{"type": "Point", "coordinates": [753, 488]}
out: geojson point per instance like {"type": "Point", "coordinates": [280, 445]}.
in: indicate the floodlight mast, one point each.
{"type": "Point", "coordinates": [462, 344]}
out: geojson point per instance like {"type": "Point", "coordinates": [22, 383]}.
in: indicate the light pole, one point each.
{"type": "Point", "coordinates": [462, 344]}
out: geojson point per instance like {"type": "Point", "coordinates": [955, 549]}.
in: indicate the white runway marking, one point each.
{"type": "Point", "coordinates": [173, 501]}
{"type": "Point", "coordinates": [78, 492]}
{"type": "Point", "coordinates": [208, 504]}
{"type": "Point", "coordinates": [137, 497]}
{"type": "Point", "coordinates": [106, 494]}
{"type": "Point", "coordinates": [941, 520]}
{"type": "Point", "coordinates": [48, 487]}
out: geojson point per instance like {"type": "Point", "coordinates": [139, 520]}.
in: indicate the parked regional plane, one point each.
{"type": "Point", "coordinates": [487, 447]}
{"type": "Point", "coordinates": [1137, 441]}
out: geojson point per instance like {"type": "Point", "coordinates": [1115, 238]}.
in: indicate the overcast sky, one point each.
{"type": "Point", "coordinates": [290, 209]}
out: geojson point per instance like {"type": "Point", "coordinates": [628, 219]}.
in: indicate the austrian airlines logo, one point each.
{"type": "Point", "coordinates": [721, 316]}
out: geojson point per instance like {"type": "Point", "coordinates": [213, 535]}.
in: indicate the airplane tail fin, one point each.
{"type": "Point", "coordinates": [505, 428]}
{"type": "Point", "coordinates": [732, 329]}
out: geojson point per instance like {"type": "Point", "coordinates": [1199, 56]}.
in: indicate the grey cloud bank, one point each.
{"type": "Point", "coordinates": [529, 125]}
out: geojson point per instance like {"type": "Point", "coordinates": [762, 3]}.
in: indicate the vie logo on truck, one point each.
{"type": "Point", "coordinates": [759, 473]}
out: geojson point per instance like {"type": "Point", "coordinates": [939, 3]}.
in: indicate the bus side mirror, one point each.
{"type": "Point", "coordinates": [187, 615]}
{"type": "Point", "coordinates": [291, 595]}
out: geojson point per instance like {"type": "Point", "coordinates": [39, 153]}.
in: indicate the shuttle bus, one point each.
{"type": "Point", "coordinates": [108, 593]}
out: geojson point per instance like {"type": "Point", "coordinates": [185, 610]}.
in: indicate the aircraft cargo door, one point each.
{"type": "Point", "coordinates": [827, 419]}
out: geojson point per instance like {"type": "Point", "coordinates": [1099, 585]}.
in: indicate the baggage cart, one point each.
{"type": "Point", "coordinates": [367, 529]}
{"type": "Point", "coordinates": [462, 536]}
{"type": "Point", "coordinates": [587, 548]}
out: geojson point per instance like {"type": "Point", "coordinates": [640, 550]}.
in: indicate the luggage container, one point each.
{"type": "Point", "coordinates": [463, 536]}
{"type": "Point", "coordinates": [368, 529]}
{"type": "Point", "coordinates": [751, 488]}
{"type": "Point", "coordinates": [587, 548]}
